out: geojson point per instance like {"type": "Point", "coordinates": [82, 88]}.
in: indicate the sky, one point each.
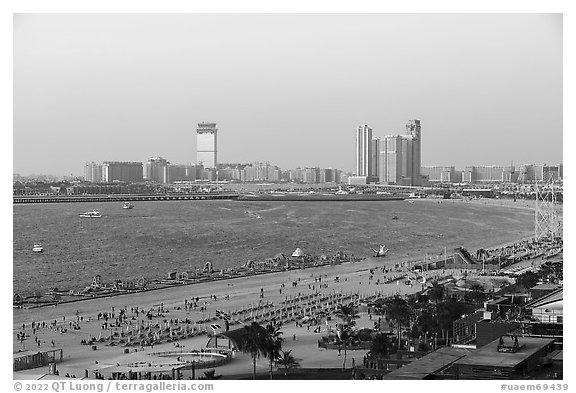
{"type": "Point", "coordinates": [286, 88]}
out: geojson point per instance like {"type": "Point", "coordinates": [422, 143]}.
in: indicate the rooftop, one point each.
{"type": "Point", "coordinates": [429, 364]}
{"type": "Point", "coordinates": [489, 356]}
{"type": "Point", "coordinates": [547, 299]}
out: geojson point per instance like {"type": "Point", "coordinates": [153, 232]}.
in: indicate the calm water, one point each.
{"type": "Point", "coordinates": [155, 238]}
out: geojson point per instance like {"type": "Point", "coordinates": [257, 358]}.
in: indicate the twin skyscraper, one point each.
{"type": "Point", "coordinates": [393, 159]}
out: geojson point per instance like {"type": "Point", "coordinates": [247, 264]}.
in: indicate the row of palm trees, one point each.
{"type": "Point", "coordinates": [422, 316]}
{"type": "Point", "coordinates": [267, 341]}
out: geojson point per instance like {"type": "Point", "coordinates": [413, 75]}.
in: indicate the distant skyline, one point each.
{"type": "Point", "coordinates": [286, 88]}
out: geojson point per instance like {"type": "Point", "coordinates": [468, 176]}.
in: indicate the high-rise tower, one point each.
{"type": "Point", "coordinates": [364, 152]}
{"type": "Point", "coordinates": [413, 129]}
{"type": "Point", "coordinates": [207, 145]}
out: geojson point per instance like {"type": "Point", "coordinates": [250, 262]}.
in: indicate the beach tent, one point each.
{"type": "Point", "coordinates": [298, 253]}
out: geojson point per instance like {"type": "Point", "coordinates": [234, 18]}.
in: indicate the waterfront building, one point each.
{"type": "Point", "coordinates": [489, 174]}
{"type": "Point", "coordinates": [541, 173]}
{"type": "Point", "coordinates": [93, 172]}
{"type": "Point", "coordinates": [357, 180]}
{"type": "Point", "coordinates": [363, 151]}
{"type": "Point", "coordinates": [391, 160]}
{"type": "Point", "coordinates": [157, 170]}
{"type": "Point", "coordinates": [178, 172]}
{"type": "Point", "coordinates": [260, 171]}
{"type": "Point", "coordinates": [394, 159]}
{"type": "Point", "coordinates": [469, 175]}
{"type": "Point", "coordinates": [526, 173]}
{"type": "Point", "coordinates": [441, 174]}
{"type": "Point", "coordinates": [312, 175]}
{"type": "Point", "coordinates": [546, 173]}
{"type": "Point", "coordinates": [407, 160]}
{"type": "Point", "coordinates": [122, 171]}
{"type": "Point", "coordinates": [374, 159]}
{"type": "Point", "coordinates": [207, 145]}
{"type": "Point", "coordinates": [413, 130]}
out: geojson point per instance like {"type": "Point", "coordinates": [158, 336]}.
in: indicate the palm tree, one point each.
{"type": "Point", "coordinates": [397, 310]}
{"type": "Point", "coordinates": [255, 342]}
{"type": "Point", "coordinates": [273, 343]}
{"type": "Point", "coordinates": [436, 292]}
{"type": "Point", "coordinates": [211, 374]}
{"type": "Point", "coordinates": [380, 346]}
{"type": "Point", "coordinates": [287, 360]}
{"type": "Point", "coordinates": [348, 313]}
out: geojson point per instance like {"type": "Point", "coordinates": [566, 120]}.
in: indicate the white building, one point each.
{"type": "Point", "coordinates": [363, 151]}
{"type": "Point", "coordinates": [207, 145]}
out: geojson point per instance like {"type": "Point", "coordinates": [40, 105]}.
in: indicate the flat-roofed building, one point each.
{"type": "Point", "coordinates": [207, 145]}
{"type": "Point", "coordinates": [548, 308]}
{"type": "Point", "coordinates": [414, 130]}
{"type": "Point", "coordinates": [374, 160]}
{"type": "Point", "coordinates": [157, 170]}
{"type": "Point", "coordinates": [122, 171]}
{"type": "Point", "coordinates": [363, 151]}
{"type": "Point", "coordinates": [391, 160]}
{"type": "Point", "coordinates": [435, 365]}
{"type": "Point", "coordinates": [181, 172]}
{"type": "Point", "coordinates": [509, 357]}
{"type": "Point", "coordinates": [93, 172]}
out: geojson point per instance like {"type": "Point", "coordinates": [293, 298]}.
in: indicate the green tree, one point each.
{"type": "Point", "coordinates": [449, 311]}
{"type": "Point", "coordinates": [255, 343]}
{"type": "Point", "coordinates": [348, 313]}
{"type": "Point", "coordinates": [426, 324]}
{"type": "Point", "coordinates": [397, 310]}
{"type": "Point", "coordinates": [528, 280]}
{"type": "Point", "coordinates": [287, 361]}
{"type": "Point", "coordinates": [380, 346]}
{"type": "Point", "coordinates": [436, 292]}
{"type": "Point", "coordinates": [211, 374]}
{"type": "Point", "coordinates": [273, 344]}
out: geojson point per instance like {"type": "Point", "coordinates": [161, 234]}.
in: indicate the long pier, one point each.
{"type": "Point", "coordinates": [121, 198]}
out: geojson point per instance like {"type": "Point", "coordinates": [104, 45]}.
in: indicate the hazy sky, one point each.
{"type": "Point", "coordinates": [286, 88]}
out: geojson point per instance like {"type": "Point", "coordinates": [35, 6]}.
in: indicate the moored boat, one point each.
{"type": "Point", "coordinates": [91, 214]}
{"type": "Point", "coordinates": [38, 248]}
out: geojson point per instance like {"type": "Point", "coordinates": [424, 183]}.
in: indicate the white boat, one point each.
{"type": "Point", "coordinates": [128, 205]}
{"type": "Point", "coordinates": [91, 214]}
{"type": "Point", "coordinates": [38, 248]}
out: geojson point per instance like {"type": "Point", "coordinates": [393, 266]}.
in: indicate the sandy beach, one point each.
{"type": "Point", "coordinates": [242, 292]}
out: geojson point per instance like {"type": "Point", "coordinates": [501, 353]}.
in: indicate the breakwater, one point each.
{"type": "Point", "coordinates": [296, 197]}
{"type": "Point", "coordinates": [122, 198]}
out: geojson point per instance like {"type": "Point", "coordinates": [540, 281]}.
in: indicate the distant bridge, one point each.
{"type": "Point", "coordinates": [120, 198]}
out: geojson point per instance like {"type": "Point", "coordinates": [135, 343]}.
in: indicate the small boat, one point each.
{"type": "Point", "coordinates": [128, 205]}
{"type": "Point", "coordinates": [91, 214]}
{"type": "Point", "coordinates": [38, 248]}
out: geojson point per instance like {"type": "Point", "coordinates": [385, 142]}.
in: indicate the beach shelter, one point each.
{"type": "Point", "coordinates": [298, 253]}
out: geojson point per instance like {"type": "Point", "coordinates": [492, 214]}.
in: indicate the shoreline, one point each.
{"type": "Point", "coordinates": [363, 265]}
